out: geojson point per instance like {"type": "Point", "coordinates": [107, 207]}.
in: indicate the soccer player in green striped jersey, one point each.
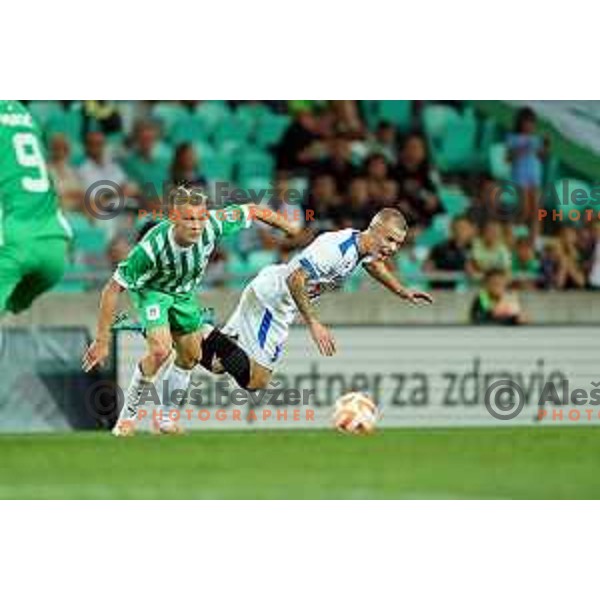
{"type": "Point", "coordinates": [162, 274]}
{"type": "Point", "coordinates": [33, 233]}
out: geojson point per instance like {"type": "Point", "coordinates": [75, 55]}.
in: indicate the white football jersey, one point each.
{"type": "Point", "coordinates": [328, 261]}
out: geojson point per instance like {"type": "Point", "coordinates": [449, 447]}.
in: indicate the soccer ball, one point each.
{"type": "Point", "coordinates": [356, 413]}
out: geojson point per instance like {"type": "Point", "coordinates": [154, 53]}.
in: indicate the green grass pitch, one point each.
{"type": "Point", "coordinates": [551, 462]}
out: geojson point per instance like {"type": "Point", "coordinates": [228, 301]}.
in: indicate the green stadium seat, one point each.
{"type": "Point", "coordinates": [454, 200]}
{"type": "Point", "coordinates": [258, 184]}
{"type": "Point", "coordinates": [397, 112]}
{"type": "Point", "coordinates": [436, 233]}
{"type": "Point", "coordinates": [42, 110]}
{"type": "Point", "coordinates": [231, 135]}
{"type": "Point", "coordinates": [217, 166]}
{"type": "Point", "coordinates": [261, 258]}
{"type": "Point", "coordinates": [456, 150]}
{"type": "Point", "coordinates": [238, 271]}
{"type": "Point", "coordinates": [69, 122]}
{"type": "Point", "coordinates": [252, 113]}
{"type": "Point", "coordinates": [255, 163]}
{"type": "Point", "coordinates": [436, 120]}
{"type": "Point", "coordinates": [499, 165]}
{"type": "Point", "coordinates": [210, 113]}
{"type": "Point", "coordinates": [187, 129]}
{"type": "Point", "coordinates": [271, 130]}
{"type": "Point", "coordinates": [168, 114]}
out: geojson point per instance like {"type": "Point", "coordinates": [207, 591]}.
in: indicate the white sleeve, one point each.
{"type": "Point", "coordinates": [319, 259]}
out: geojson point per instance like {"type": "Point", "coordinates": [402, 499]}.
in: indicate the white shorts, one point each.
{"type": "Point", "coordinates": [259, 330]}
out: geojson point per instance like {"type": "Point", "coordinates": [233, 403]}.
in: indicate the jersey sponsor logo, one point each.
{"type": "Point", "coordinates": [153, 312]}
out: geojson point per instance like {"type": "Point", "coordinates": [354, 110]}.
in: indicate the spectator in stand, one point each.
{"type": "Point", "coordinates": [65, 178]}
{"type": "Point", "coordinates": [302, 144]}
{"type": "Point", "coordinates": [338, 163]}
{"type": "Point", "coordinates": [377, 173]}
{"type": "Point", "coordinates": [184, 168]}
{"type": "Point", "coordinates": [495, 304]}
{"type": "Point", "coordinates": [489, 251]}
{"type": "Point", "coordinates": [144, 164]}
{"type": "Point", "coordinates": [99, 166]}
{"type": "Point", "coordinates": [330, 210]}
{"type": "Point", "coordinates": [385, 142]}
{"type": "Point", "coordinates": [526, 151]}
{"type": "Point", "coordinates": [594, 268]}
{"type": "Point", "coordinates": [359, 208]}
{"type": "Point", "coordinates": [347, 117]}
{"type": "Point", "coordinates": [526, 267]}
{"type": "Point", "coordinates": [416, 185]}
{"type": "Point", "coordinates": [450, 257]}
{"type": "Point", "coordinates": [558, 271]}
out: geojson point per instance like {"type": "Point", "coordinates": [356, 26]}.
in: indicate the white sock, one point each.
{"type": "Point", "coordinates": [134, 391]}
{"type": "Point", "coordinates": [177, 379]}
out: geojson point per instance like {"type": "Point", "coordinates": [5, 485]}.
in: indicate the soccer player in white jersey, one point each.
{"type": "Point", "coordinates": [274, 298]}
{"type": "Point", "coordinates": [162, 274]}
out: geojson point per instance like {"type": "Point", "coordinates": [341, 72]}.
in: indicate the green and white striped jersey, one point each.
{"type": "Point", "coordinates": [158, 263]}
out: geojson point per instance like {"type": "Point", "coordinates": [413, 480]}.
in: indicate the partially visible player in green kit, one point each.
{"type": "Point", "coordinates": [33, 233]}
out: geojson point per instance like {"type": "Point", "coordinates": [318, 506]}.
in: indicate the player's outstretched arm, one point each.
{"type": "Point", "coordinates": [98, 351]}
{"type": "Point", "coordinates": [383, 275]}
{"type": "Point", "coordinates": [274, 219]}
{"type": "Point", "coordinates": [321, 335]}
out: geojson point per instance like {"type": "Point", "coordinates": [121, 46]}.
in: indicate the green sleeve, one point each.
{"type": "Point", "coordinates": [231, 219]}
{"type": "Point", "coordinates": [135, 270]}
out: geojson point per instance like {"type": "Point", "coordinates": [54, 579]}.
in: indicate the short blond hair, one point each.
{"type": "Point", "coordinates": [390, 217]}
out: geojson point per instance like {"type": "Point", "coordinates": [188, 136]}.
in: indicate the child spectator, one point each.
{"type": "Point", "coordinates": [494, 304]}
{"type": "Point", "coordinates": [526, 150]}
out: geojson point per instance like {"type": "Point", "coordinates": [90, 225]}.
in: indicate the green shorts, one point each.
{"type": "Point", "coordinates": [28, 270]}
{"type": "Point", "coordinates": [180, 312]}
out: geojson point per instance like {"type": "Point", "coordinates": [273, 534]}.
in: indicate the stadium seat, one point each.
{"type": "Point", "coordinates": [210, 113]}
{"type": "Point", "coordinates": [271, 129]}
{"type": "Point", "coordinates": [436, 119]}
{"type": "Point", "coordinates": [69, 122]}
{"type": "Point", "coordinates": [42, 110]}
{"type": "Point", "coordinates": [238, 271]}
{"type": "Point", "coordinates": [261, 258]}
{"type": "Point", "coordinates": [499, 165]}
{"type": "Point", "coordinates": [254, 163]}
{"type": "Point", "coordinates": [456, 148]}
{"type": "Point", "coordinates": [168, 114]}
{"type": "Point", "coordinates": [436, 233]}
{"type": "Point", "coordinates": [257, 184]}
{"type": "Point", "coordinates": [252, 114]}
{"type": "Point", "coordinates": [410, 268]}
{"type": "Point", "coordinates": [217, 166]}
{"type": "Point", "coordinates": [187, 129]}
{"type": "Point", "coordinates": [454, 200]}
{"type": "Point", "coordinates": [231, 135]}
{"type": "Point", "coordinates": [397, 112]}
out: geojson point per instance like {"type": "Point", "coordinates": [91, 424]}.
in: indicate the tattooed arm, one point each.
{"type": "Point", "coordinates": [320, 334]}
